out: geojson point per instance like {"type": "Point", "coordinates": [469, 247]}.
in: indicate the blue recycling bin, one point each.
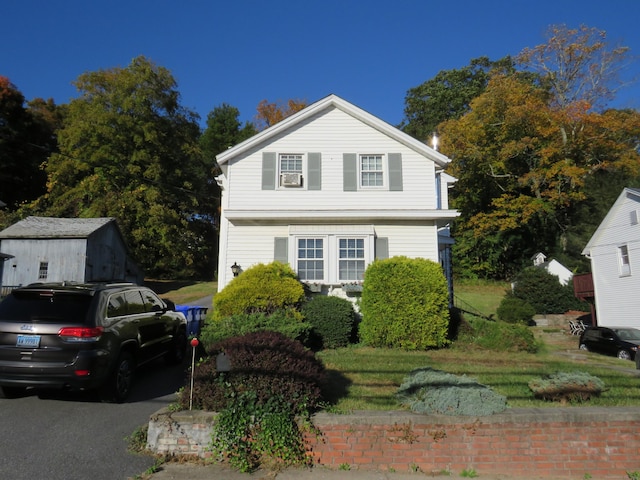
{"type": "Point", "coordinates": [194, 316]}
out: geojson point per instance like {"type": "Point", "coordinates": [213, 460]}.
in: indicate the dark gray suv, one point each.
{"type": "Point", "coordinates": [84, 336]}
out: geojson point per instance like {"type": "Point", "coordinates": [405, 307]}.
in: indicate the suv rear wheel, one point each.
{"type": "Point", "coordinates": [119, 383]}
{"type": "Point", "coordinates": [624, 355]}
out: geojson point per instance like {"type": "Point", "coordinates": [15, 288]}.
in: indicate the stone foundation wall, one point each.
{"type": "Point", "coordinates": [602, 443]}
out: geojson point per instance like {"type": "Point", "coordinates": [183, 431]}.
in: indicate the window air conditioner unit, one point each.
{"type": "Point", "coordinates": [291, 179]}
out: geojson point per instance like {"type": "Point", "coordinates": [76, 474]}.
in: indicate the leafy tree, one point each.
{"type": "Point", "coordinates": [223, 131]}
{"type": "Point", "coordinates": [523, 165]}
{"type": "Point", "coordinates": [130, 151]}
{"type": "Point", "coordinates": [27, 138]}
{"type": "Point", "coordinates": [271, 113]}
{"type": "Point", "coordinates": [578, 65]}
{"type": "Point", "coordinates": [447, 95]}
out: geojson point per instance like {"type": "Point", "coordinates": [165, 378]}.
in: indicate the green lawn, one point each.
{"type": "Point", "coordinates": [364, 378]}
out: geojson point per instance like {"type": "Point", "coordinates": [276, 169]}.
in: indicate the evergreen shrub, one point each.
{"type": "Point", "coordinates": [243, 323]}
{"type": "Point", "coordinates": [430, 391]}
{"type": "Point", "coordinates": [515, 310]}
{"type": "Point", "coordinates": [404, 304]}
{"type": "Point", "coordinates": [497, 336]}
{"type": "Point", "coordinates": [567, 387]}
{"type": "Point", "coordinates": [261, 289]}
{"type": "Point", "coordinates": [545, 293]}
{"type": "Point", "coordinates": [332, 319]}
{"type": "Point", "coordinates": [268, 364]}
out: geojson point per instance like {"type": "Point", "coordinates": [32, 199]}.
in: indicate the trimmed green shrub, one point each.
{"type": "Point", "coordinates": [545, 293]}
{"type": "Point", "coordinates": [265, 363]}
{"type": "Point", "coordinates": [404, 304]}
{"type": "Point", "coordinates": [332, 318]}
{"type": "Point", "coordinates": [498, 336]}
{"type": "Point", "coordinates": [567, 387]}
{"type": "Point", "coordinates": [430, 391]}
{"type": "Point", "coordinates": [244, 323]}
{"type": "Point", "coordinates": [261, 289]}
{"type": "Point", "coordinates": [515, 310]}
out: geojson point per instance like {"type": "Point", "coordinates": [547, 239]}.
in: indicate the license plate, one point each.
{"type": "Point", "coordinates": [32, 341]}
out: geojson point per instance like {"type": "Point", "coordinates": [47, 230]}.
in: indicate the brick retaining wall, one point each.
{"type": "Point", "coordinates": [599, 443]}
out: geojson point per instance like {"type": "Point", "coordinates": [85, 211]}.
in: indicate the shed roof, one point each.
{"type": "Point", "coordinates": [50, 227]}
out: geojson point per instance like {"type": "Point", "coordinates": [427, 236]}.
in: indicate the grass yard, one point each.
{"type": "Point", "coordinates": [364, 378]}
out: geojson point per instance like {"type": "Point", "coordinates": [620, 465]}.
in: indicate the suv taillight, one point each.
{"type": "Point", "coordinates": [80, 334]}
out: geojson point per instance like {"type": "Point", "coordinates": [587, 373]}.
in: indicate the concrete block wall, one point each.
{"type": "Point", "coordinates": [555, 443]}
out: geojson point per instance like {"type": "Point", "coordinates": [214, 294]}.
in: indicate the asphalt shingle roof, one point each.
{"type": "Point", "coordinates": [49, 227]}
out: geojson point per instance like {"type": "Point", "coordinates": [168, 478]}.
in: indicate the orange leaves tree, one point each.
{"type": "Point", "coordinates": [271, 113]}
{"type": "Point", "coordinates": [527, 155]}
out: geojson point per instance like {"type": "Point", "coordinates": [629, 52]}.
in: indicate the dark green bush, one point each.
{"type": "Point", "coordinates": [515, 310]}
{"type": "Point", "coordinates": [567, 387]}
{"type": "Point", "coordinates": [261, 289]}
{"type": "Point", "coordinates": [498, 336]}
{"type": "Point", "coordinates": [545, 293]}
{"type": "Point", "coordinates": [404, 304]}
{"type": "Point", "coordinates": [268, 364]}
{"type": "Point", "coordinates": [242, 324]}
{"type": "Point", "coordinates": [430, 391]}
{"type": "Point", "coordinates": [332, 318]}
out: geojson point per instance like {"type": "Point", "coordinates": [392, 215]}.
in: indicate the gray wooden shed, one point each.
{"type": "Point", "coordinates": [45, 249]}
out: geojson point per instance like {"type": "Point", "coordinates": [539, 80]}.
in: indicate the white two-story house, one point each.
{"type": "Point", "coordinates": [614, 251]}
{"type": "Point", "coordinates": [328, 190]}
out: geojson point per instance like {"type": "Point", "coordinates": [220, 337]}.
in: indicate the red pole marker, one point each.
{"type": "Point", "coordinates": [194, 344]}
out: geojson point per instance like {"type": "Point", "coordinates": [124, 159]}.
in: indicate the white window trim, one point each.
{"type": "Point", "coordinates": [385, 172]}
{"type": "Point", "coordinates": [624, 262]}
{"type": "Point", "coordinates": [331, 244]}
{"type": "Point", "coordinates": [305, 164]}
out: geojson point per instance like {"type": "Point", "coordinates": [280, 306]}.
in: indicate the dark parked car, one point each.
{"type": "Point", "coordinates": [84, 337]}
{"type": "Point", "coordinates": [622, 342]}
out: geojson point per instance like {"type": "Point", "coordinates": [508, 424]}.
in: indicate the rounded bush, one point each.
{"type": "Point", "coordinates": [515, 310]}
{"type": "Point", "coordinates": [567, 386]}
{"type": "Point", "coordinates": [332, 320]}
{"type": "Point", "coordinates": [499, 336]}
{"type": "Point", "coordinates": [544, 292]}
{"type": "Point", "coordinates": [404, 304]}
{"type": "Point", "coordinates": [261, 289]}
{"type": "Point", "coordinates": [266, 364]}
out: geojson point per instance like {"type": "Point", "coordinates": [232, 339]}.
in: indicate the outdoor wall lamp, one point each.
{"type": "Point", "coordinates": [235, 269]}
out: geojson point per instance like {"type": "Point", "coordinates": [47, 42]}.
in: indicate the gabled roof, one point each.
{"type": "Point", "coordinates": [329, 102]}
{"type": "Point", "coordinates": [631, 193]}
{"type": "Point", "coordinates": [50, 227]}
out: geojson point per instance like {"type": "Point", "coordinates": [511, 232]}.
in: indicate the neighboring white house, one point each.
{"type": "Point", "coordinates": [554, 267]}
{"type": "Point", "coordinates": [328, 190]}
{"type": "Point", "coordinates": [45, 249]}
{"type": "Point", "coordinates": [614, 251]}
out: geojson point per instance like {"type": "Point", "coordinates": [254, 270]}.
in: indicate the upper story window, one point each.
{"type": "Point", "coordinates": [623, 261]}
{"type": "Point", "coordinates": [371, 171]}
{"type": "Point", "coordinates": [290, 167]}
{"type": "Point", "coordinates": [43, 271]}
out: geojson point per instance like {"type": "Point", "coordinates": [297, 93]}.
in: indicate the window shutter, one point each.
{"type": "Point", "coordinates": [382, 248]}
{"type": "Point", "coordinates": [314, 182]}
{"type": "Point", "coordinates": [281, 249]}
{"type": "Point", "coordinates": [268, 171]}
{"type": "Point", "coordinates": [395, 172]}
{"type": "Point", "coordinates": [350, 172]}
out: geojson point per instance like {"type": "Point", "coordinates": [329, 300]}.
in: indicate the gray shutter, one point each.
{"type": "Point", "coordinates": [382, 248]}
{"type": "Point", "coordinates": [350, 172]}
{"type": "Point", "coordinates": [281, 249]}
{"type": "Point", "coordinates": [314, 170]}
{"type": "Point", "coordinates": [395, 172]}
{"type": "Point", "coordinates": [268, 171]}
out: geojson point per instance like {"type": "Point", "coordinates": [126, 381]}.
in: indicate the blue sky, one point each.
{"type": "Point", "coordinates": [240, 52]}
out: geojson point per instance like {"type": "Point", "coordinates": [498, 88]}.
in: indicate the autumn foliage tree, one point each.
{"type": "Point", "coordinates": [526, 152]}
{"type": "Point", "coordinates": [271, 113]}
